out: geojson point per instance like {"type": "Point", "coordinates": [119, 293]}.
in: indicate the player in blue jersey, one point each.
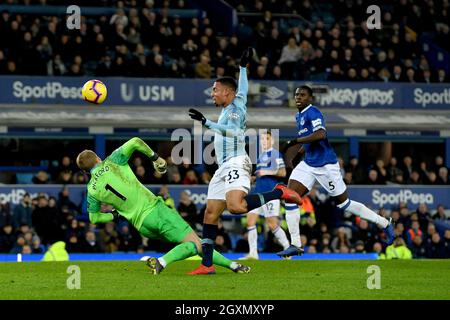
{"type": "Point", "coordinates": [230, 184]}
{"type": "Point", "coordinates": [320, 163]}
{"type": "Point", "coordinates": [269, 170]}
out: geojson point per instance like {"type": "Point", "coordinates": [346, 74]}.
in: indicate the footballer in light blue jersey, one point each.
{"type": "Point", "coordinates": [230, 184]}
{"type": "Point", "coordinates": [320, 164]}
{"type": "Point", "coordinates": [229, 139]}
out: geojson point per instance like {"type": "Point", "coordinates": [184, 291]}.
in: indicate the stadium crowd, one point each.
{"type": "Point", "coordinates": [402, 171]}
{"type": "Point", "coordinates": [140, 41]}
{"type": "Point", "coordinates": [34, 224]}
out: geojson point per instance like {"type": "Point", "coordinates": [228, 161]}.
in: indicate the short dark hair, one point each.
{"type": "Point", "coordinates": [307, 89]}
{"type": "Point", "coordinates": [229, 82]}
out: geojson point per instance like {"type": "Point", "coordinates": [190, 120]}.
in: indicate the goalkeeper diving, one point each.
{"type": "Point", "coordinates": [113, 182]}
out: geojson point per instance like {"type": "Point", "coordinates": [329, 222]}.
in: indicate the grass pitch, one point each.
{"type": "Point", "coordinates": [268, 280]}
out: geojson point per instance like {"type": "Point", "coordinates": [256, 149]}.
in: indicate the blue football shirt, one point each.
{"type": "Point", "coordinates": [317, 153]}
{"type": "Point", "coordinates": [269, 160]}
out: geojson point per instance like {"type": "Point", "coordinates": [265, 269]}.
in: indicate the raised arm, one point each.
{"type": "Point", "coordinates": [243, 81]}
{"type": "Point", "coordinates": [137, 144]}
{"type": "Point", "coordinates": [242, 85]}
{"type": "Point", "coordinates": [123, 154]}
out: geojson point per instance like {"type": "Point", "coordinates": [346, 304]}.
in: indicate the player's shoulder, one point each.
{"type": "Point", "coordinates": [312, 109]}
{"type": "Point", "coordinates": [239, 103]}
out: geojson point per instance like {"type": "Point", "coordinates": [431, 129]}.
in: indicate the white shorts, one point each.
{"type": "Point", "coordinates": [329, 177]}
{"type": "Point", "coordinates": [270, 209]}
{"type": "Point", "coordinates": [231, 175]}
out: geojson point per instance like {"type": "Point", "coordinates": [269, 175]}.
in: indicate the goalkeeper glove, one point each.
{"type": "Point", "coordinates": [246, 57]}
{"type": "Point", "coordinates": [160, 165]}
{"type": "Point", "coordinates": [197, 115]}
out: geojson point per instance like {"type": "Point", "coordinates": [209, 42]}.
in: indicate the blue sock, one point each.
{"type": "Point", "coordinates": [257, 200]}
{"type": "Point", "coordinates": [209, 237]}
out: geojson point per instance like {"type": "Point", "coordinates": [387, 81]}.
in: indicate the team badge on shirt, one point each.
{"type": "Point", "coordinates": [233, 115]}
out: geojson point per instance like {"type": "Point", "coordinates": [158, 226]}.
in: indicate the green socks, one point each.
{"type": "Point", "coordinates": [188, 249]}
{"type": "Point", "coordinates": [180, 252]}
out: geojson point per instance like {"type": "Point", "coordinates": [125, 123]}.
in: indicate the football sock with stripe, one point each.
{"type": "Point", "coordinates": [361, 210]}
{"type": "Point", "coordinates": [258, 199]}
{"type": "Point", "coordinates": [281, 237]}
{"type": "Point", "coordinates": [209, 237]}
{"type": "Point", "coordinates": [293, 222]}
{"type": "Point", "coordinates": [252, 240]}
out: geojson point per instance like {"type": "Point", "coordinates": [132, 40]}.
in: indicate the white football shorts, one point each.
{"type": "Point", "coordinates": [233, 174]}
{"type": "Point", "coordinates": [270, 209]}
{"type": "Point", "coordinates": [329, 177]}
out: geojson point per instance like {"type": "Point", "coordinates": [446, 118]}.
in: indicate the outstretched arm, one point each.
{"type": "Point", "coordinates": [137, 144]}
{"type": "Point", "coordinates": [230, 128]}
{"type": "Point", "coordinates": [123, 154]}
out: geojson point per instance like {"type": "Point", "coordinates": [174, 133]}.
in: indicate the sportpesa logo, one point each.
{"type": "Point", "coordinates": [50, 90]}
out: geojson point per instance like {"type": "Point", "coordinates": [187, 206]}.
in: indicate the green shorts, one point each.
{"type": "Point", "coordinates": [165, 223]}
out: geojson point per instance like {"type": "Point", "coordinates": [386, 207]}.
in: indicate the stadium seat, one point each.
{"type": "Point", "coordinates": [25, 178]}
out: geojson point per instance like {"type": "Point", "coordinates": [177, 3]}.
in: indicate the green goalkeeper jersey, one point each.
{"type": "Point", "coordinates": [114, 183]}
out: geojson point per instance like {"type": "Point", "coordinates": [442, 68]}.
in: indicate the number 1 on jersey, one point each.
{"type": "Point", "coordinates": [117, 193]}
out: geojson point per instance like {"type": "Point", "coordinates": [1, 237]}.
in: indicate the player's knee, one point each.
{"type": "Point", "coordinates": [272, 224]}
{"type": "Point", "coordinates": [236, 208]}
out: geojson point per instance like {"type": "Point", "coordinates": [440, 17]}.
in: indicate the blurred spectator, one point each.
{"type": "Point", "coordinates": [190, 178]}
{"type": "Point", "coordinates": [423, 215]}
{"type": "Point", "coordinates": [443, 176]}
{"type": "Point", "coordinates": [407, 168]}
{"type": "Point", "coordinates": [164, 193]}
{"type": "Point", "coordinates": [187, 209]}
{"type": "Point", "coordinates": [203, 68]}
{"type": "Point", "coordinates": [414, 232]}
{"type": "Point", "coordinates": [46, 221]}
{"type": "Point", "coordinates": [41, 178]}
{"type": "Point", "coordinates": [141, 175]}
{"type": "Point", "coordinates": [127, 241]}
{"type": "Point", "coordinates": [64, 201]}
{"type": "Point", "coordinates": [7, 238]}
{"type": "Point", "coordinates": [393, 170]}
{"type": "Point", "coordinates": [109, 238]}
{"type": "Point", "coordinates": [435, 248]}
{"type": "Point", "coordinates": [440, 214]}
{"type": "Point", "coordinates": [341, 240]}
{"type": "Point", "coordinates": [398, 250]}
{"type": "Point", "coordinates": [172, 169]}
{"type": "Point", "coordinates": [5, 214]}
{"type": "Point", "coordinates": [90, 244]}
{"type": "Point", "coordinates": [356, 170]}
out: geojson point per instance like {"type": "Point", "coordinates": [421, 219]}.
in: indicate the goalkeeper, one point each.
{"type": "Point", "coordinates": [114, 183]}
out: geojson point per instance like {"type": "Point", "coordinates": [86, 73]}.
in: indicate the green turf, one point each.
{"type": "Point", "coordinates": [269, 280]}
